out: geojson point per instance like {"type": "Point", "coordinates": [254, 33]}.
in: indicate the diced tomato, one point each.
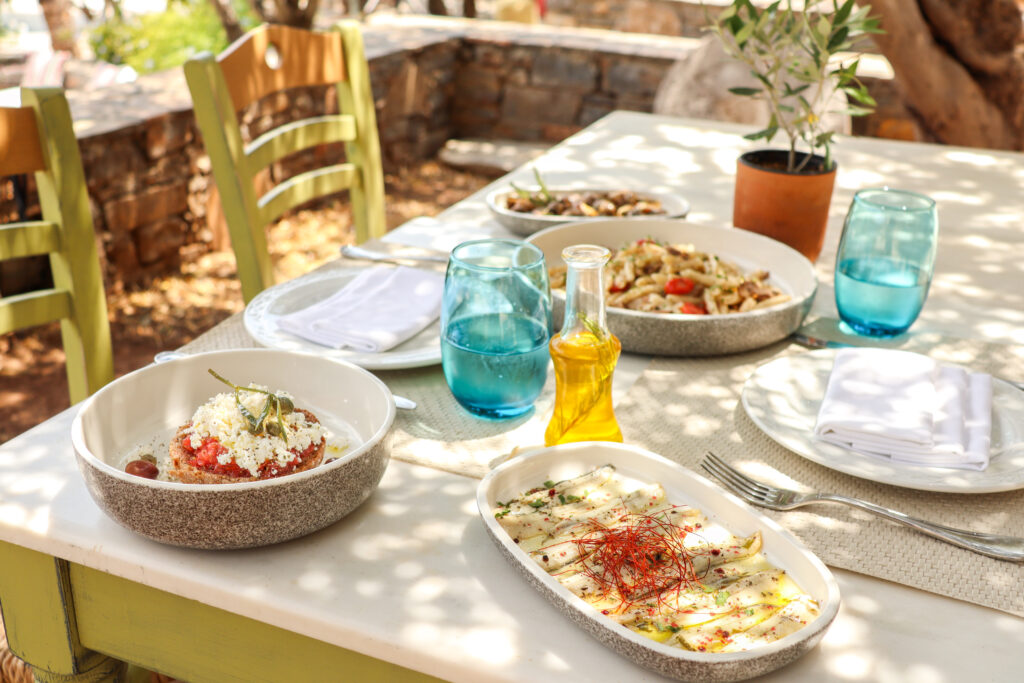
{"type": "Point", "coordinates": [692, 309]}
{"type": "Point", "coordinates": [679, 285]}
{"type": "Point", "coordinates": [615, 287]}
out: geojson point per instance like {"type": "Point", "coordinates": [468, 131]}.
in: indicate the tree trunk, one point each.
{"type": "Point", "coordinates": [228, 19]}
{"type": "Point", "coordinates": [469, 8]}
{"type": "Point", "coordinates": [58, 20]}
{"type": "Point", "coordinates": [437, 7]}
{"type": "Point", "coordinates": [959, 67]}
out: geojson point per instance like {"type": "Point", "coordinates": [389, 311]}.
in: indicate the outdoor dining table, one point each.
{"type": "Point", "coordinates": [410, 587]}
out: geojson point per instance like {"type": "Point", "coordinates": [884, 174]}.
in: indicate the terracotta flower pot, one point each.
{"type": "Point", "coordinates": [789, 207]}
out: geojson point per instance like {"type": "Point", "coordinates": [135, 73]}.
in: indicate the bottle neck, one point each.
{"type": "Point", "coordinates": [584, 298]}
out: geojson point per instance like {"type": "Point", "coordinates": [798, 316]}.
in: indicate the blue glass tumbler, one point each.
{"type": "Point", "coordinates": [495, 326]}
{"type": "Point", "coordinates": [885, 261]}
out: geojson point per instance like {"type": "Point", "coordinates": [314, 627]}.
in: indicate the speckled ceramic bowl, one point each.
{"type": "Point", "coordinates": [142, 410]}
{"type": "Point", "coordinates": [525, 224]}
{"type": "Point", "coordinates": [676, 334]}
{"type": "Point", "coordinates": [682, 486]}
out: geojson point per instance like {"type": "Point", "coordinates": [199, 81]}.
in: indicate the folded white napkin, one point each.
{"type": "Point", "coordinates": [907, 407]}
{"type": "Point", "coordinates": [377, 310]}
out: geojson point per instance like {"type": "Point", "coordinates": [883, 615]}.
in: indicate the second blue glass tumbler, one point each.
{"type": "Point", "coordinates": [885, 260]}
{"type": "Point", "coordinates": [495, 325]}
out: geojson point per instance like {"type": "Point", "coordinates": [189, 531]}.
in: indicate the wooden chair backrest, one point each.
{"type": "Point", "coordinates": [38, 138]}
{"type": "Point", "coordinates": [271, 59]}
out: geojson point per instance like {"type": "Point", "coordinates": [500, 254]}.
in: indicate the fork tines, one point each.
{"type": "Point", "coordinates": [733, 479]}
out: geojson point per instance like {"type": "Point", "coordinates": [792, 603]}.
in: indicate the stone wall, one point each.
{"type": "Point", "coordinates": [154, 205]}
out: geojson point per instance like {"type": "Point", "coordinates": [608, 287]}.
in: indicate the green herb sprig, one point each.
{"type": "Point", "coordinates": [271, 418]}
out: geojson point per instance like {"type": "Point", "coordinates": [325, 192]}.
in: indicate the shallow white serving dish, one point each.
{"type": "Point", "coordinates": [267, 307]}
{"type": "Point", "coordinates": [525, 224]}
{"type": "Point", "coordinates": [783, 398]}
{"type": "Point", "coordinates": [683, 486]}
{"type": "Point", "coordinates": [677, 334]}
{"type": "Point", "coordinates": [142, 410]}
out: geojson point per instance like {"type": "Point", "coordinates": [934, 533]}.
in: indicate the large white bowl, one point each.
{"type": "Point", "coordinates": [146, 407]}
{"type": "Point", "coordinates": [677, 334]}
{"type": "Point", "coordinates": [525, 224]}
{"type": "Point", "coordinates": [511, 479]}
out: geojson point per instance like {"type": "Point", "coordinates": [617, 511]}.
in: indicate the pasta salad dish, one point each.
{"type": "Point", "coordinates": [653, 277]}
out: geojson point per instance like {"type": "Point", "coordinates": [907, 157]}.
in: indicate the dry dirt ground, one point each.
{"type": "Point", "coordinates": [170, 311]}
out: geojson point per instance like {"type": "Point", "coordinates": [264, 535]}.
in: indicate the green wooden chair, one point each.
{"type": "Point", "coordinates": [38, 138]}
{"type": "Point", "coordinates": [270, 59]}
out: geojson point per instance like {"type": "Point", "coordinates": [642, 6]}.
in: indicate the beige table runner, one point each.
{"type": "Point", "coordinates": [681, 408]}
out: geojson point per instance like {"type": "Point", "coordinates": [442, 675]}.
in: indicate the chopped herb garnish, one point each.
{"type": "Point", "coordinates": [721, 597]}
{"type": "Point", "coordinates": [549, 484]}
{"type": "Point", "coordinates": [537, 503]}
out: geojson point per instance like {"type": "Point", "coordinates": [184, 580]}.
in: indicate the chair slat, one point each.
{"type": "Point", "coordinates": [250, 75]}
{"type": "Point", "coordinates": [306, 186]}
{"type": "Point", "coordinates": [19, 142]}
{"type": "Point", "coordinates": [33, 308]}
{"type": "Point", "coordinates": [28, 239]}
{"type": "Point", "coordinates": [298, 135]}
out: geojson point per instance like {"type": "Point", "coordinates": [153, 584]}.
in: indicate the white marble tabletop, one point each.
{"type": "Point", "coordinates": [411, 576]}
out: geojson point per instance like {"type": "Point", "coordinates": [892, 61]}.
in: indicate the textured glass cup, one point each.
{"type": "Point", "coordinates": [885, 261]}
{"type": "Point", "coordinates": [495, 326]}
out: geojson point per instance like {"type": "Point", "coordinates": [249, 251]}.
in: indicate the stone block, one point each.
{"type": "Point", "coordinates": [167, 133]}
{"type": "Point", "coordinates": [113, 165]}
{"type": "Point", "coordinates": [540, 105]}
{"type": "Point", "coordinates": [478, 84]}
{"type": "Point", "coordinates": [565, 69]}
{"type": "Point", "coordinates": [160, 240]}
{"type": "Point", "coordinates": [150, 205]}
{"type": "Point", "coordinates": [634, 77]}
{"type": "Point", "coordinates": [556, 133]}
{"type": "Point", "coordinates": [594, 107]}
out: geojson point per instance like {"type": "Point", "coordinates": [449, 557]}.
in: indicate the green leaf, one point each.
{"type": "Point", "coordinates": [843, 12]}
{"type": "Point", "coordinates": [745, 91]}
{"type": "Point", "coordinates": [861, 94]}
{"type": "Point", "coordinates": [767, 134]}
{"type": "Point", "coordinates": [837, 39]}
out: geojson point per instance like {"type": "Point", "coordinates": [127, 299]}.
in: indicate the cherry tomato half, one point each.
{"type": "Point", "coordinates": [692, 309]}
{"type": "Point", "coordinates": [679, 285]}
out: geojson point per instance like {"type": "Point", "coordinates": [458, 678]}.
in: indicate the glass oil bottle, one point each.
{"type": "Point", "coordinates": [584, 354]}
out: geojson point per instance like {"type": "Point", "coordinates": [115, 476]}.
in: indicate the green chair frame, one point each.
{"type": "Point", "coordinates": [38, 138]}
{"type": "Point", "coordinates": [270, 59]}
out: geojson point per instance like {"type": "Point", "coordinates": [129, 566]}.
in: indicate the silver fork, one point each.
{"type": "Point", "coordinates": [774, 498]}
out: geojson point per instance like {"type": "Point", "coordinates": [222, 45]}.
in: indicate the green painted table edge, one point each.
{"type": "Point", "coordinates": [78, 624]}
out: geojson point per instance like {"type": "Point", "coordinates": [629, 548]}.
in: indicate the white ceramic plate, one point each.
{"type": "Point", "coordinates": [262, 313]}
{"type": "Point", "coordinates": [783, 397]}
{"type": "Point", "coordinates": [525, 224]}
{"type": "Point", "coordinates": [676, 334]}
{"type": "Point", "coordinates": [683, 486]}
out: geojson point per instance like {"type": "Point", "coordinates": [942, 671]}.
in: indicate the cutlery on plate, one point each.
{"type": "Point", "coordinates": [774, 498]}
{"type": "Point", "coordinates": [354, 252]}
{"type": "Point", "coordinates": [401, 402]}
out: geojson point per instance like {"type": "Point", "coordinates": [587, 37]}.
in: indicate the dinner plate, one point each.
{"type": "Point", "coordinates": [677, 334]}
{"type": "Point", "coordinates": [683, 486]}
{"type": "Point", "coordinates": [783, 396]}
{"type": "Point", "coordinates": [263, 312]}
{"type": "Point", "coordinates": [525, 224]}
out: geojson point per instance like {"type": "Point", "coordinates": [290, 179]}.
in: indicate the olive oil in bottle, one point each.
{"type": "Point", "coordinates": [584, 354]}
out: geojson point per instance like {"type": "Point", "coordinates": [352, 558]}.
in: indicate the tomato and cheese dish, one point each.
{"type": "Point", "coordinates": [662, 570]}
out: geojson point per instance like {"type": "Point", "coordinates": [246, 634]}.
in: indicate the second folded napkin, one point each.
{"type": "Point", "coordinates": [377, 310]}
{"type": "Point", "coordinates": [908, 408]}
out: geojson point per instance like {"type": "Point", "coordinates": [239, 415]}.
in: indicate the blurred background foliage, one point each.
{"type": "Point", "coordinates": [162, 40]}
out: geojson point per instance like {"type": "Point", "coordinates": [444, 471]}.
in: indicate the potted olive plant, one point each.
{"type": "Point", "coordinates": [794, 57]}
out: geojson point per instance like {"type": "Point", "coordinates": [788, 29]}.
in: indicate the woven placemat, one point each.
{"type": "Point", "coordinates": [682, 408]}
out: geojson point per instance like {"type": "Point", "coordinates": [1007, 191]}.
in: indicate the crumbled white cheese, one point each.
{"type": "Point", "coordinates": [220, 417]}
